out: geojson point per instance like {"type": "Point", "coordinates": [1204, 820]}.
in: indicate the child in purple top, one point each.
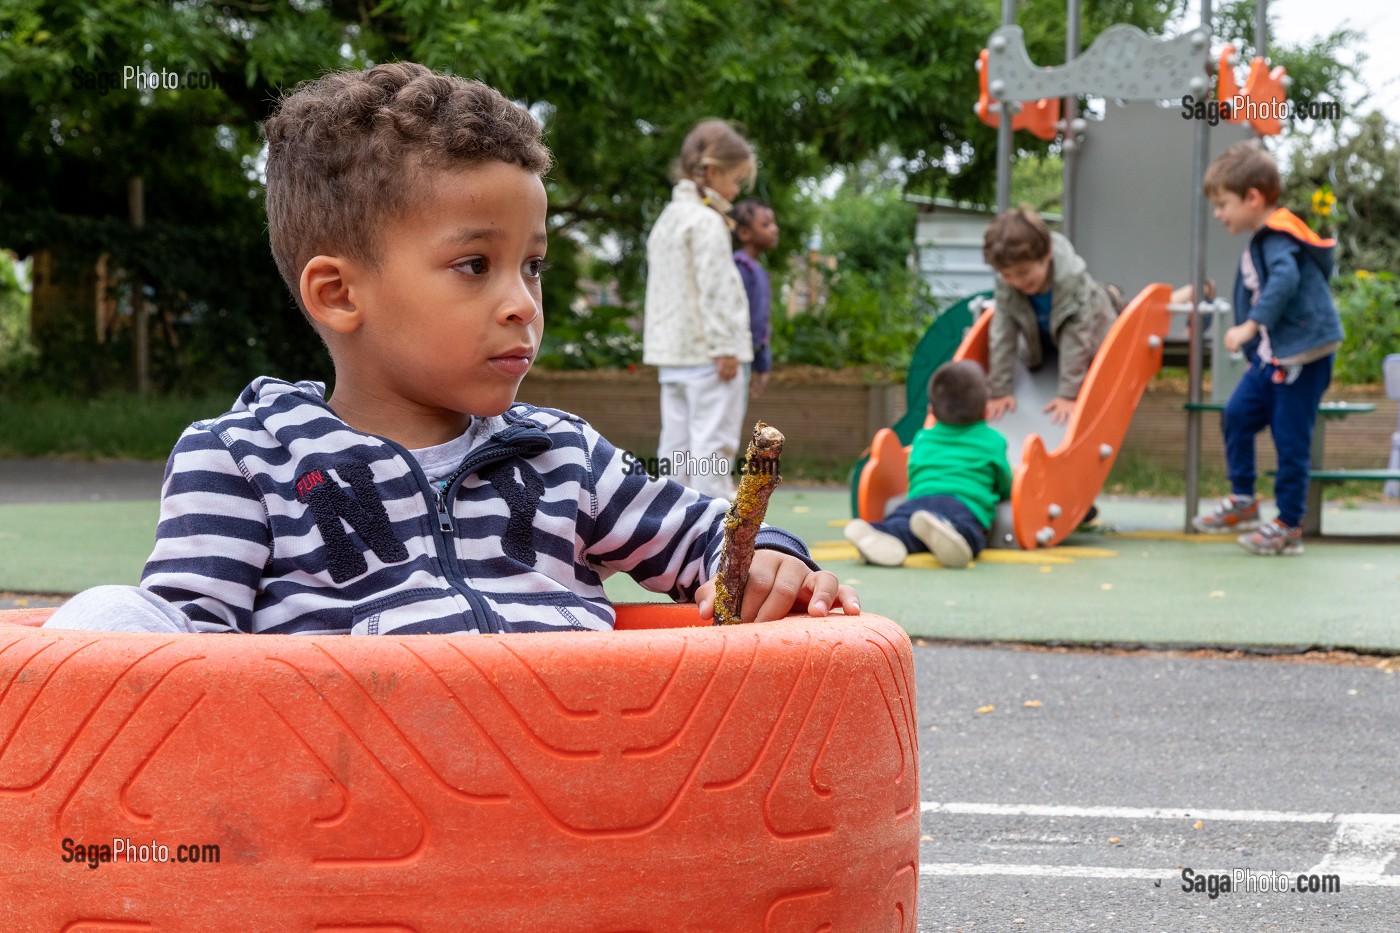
{"type": "Point", "coordinates": [756, 232]}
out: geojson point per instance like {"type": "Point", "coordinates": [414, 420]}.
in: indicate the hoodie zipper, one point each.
{"type": "Point", "coordinates": [444, 515]}
{"type": "Point", "coordinates": [446, 539]}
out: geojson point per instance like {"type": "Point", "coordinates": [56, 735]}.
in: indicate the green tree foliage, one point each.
{"type": "Point", "coordinates": [1362, 171]}
{"type": "Point", "coordinates": [616, 82]}
{"type": "Point", "coordinates": [74, 136]}
{"type": "Point", "coordinates": [15, 348]}
{"type": "Point", "coordinates": [1319, 73]}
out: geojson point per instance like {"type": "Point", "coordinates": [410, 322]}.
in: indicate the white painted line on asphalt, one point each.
{"type": "Point", "coordinates": [1131, 874]}
{"type": "Point", "coordinates": [1044, 871]}
{"type": "Point", "coordinates": [1377, 821]}
{"type": "Point", "coordinates": [1360, 849]}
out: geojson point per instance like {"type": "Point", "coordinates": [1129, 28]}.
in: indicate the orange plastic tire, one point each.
{"type": "Point", "coordinates": [757, 777]}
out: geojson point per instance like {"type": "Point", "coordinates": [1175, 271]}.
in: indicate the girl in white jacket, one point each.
{"type": "Point", "coordinates": [697, 315]}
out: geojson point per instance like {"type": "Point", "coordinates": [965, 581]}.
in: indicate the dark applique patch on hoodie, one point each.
{"type": "Point", "coordinates": [364, 513]}
{"type": "Point", "coordinates": [518, 541]}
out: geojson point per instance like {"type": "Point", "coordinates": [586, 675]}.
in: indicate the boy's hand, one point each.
{"type": "Point", "coordinates": [779, 582]}
{"type": "Point", "coordinates": [1060, 409]}
{"type": "Point", "coordinates": [727, 366]}
{"type": "Point", "coordinates": [1001, 405]}
{"type": "Point", "coordinates": [1241, 334]}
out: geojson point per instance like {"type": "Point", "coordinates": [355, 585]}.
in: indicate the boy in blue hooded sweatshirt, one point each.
{"type": "Point", "coordinates": [1289, 330]}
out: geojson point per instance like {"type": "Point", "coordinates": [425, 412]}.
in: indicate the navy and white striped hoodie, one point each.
{"type": "Point", "coordinates": [279, 517]}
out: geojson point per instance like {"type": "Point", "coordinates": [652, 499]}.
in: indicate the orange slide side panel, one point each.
{"type": "Point", "coordinates": [1053, 490]}
{"type": "Point", "coordinates": [1263, 89]}
{"type": "Point", "coordinates": [886, 475]}
{"type": "Point", "coordinates": [756, 777]}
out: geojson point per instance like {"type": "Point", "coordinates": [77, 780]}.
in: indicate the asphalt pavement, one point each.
{"type": "Point", "coordinates": [69, 481]}
{"type": "Point", "coordinates": [1070, 791]}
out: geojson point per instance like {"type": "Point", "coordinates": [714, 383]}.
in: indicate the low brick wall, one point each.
{"type": "Point", "coordinates": [832, 422]}
{"type": "Point", "coordinates": [824, 422]}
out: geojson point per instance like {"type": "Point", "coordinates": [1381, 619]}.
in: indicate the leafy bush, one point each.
{"type": "Point", "coordinates": [16, 351]}
{"type": "Point", "coordinates": [876, 307]}
{"type": "Point", "coordinates": [113, 425]}
{"type": "Point", "coordinates": [600, 337]}
{"type": "Point", "coordinates": [869, 319]}
{"type": "Point", "coordinates": [1369, 305]}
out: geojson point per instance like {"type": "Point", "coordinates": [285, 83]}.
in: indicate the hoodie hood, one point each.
{"type": "Point", "coordinates": [1067, 264]}
{"type": "Point", "coordinates": [1322, 250]}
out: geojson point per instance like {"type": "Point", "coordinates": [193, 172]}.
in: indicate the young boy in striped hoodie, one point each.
{"type": "Point", "coordinates": [407, 215]}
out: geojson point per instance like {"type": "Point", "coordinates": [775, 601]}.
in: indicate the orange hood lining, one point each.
{"type": "Point", "coordinates": [1285, 221]}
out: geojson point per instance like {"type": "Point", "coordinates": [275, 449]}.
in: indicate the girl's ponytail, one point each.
{"type": "Point", "coordinates": [712, 144]}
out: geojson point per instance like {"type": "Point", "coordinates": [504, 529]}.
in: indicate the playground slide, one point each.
{"type": "Point", "coordinates": [1061, 468]}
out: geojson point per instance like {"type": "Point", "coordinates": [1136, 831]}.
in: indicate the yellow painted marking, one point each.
{"type": "Point", "coordinates": [1057, 555]}
{"type": "Point", "coordinates": [801, 508]}
{"type": "Point", "coordinates": [1042, 558]}
{"type": "Point", "coordinates": [825, 551]}
{"type": "Point", "coordinates": [1173, 536]}
{"type": "Point", "coordinates": [837, 522]}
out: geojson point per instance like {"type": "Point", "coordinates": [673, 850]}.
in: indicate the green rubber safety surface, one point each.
{"type": "Point", "coordinates": [67, 547]}
{"type": "Point", "coordinates": [1145, 583]}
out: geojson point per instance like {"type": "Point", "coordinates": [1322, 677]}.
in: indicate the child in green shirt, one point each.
{"type": "Point", "coordinates": [958, 472]}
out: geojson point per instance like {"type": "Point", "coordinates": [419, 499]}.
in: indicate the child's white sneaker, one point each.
{"type": "Point", "coordinates": [875, 546]}
{"type": "Point", "coordinates": [939, 536]}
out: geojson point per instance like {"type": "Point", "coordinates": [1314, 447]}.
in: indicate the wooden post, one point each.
{"type": "Point", "coordinates": [136, 203]}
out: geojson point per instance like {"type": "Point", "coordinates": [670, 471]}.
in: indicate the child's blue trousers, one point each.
{"type": "Point", "coordinates": [1265, 399]}
{"type": "Point", "coordinates": [950, 508]}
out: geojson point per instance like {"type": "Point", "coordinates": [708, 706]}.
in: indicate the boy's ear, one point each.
{"type": "Point", "coordinates": [325, 292]}
{"type": "Point", "coordinates": [1253, 197]}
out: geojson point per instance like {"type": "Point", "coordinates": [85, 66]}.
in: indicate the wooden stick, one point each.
{"type": "Point", "coordinates": [741, 524]}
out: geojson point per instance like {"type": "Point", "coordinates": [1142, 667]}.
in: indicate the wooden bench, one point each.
{"type": "Point", "coordinates": [1319, 476]}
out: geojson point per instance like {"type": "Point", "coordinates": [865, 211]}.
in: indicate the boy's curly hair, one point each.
{"type": "Point", "coordinates": [1015, 237]}
{"type": "Point", "coordinates": [957, 392]}
{"type": "Point", "coordinates": [347, 153]}
{"type": "Point", "coordinates": [1243, 166]}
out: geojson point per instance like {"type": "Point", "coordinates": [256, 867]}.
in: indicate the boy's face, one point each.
{"type": "Point", "coordinates": [762, 232]}
{"type": "Point", "coordinates": [1030, 277]}
{"type": "Point", "coordinates": [452, 318]}
{"type": "Point", "coordinates": [1240, 214]}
